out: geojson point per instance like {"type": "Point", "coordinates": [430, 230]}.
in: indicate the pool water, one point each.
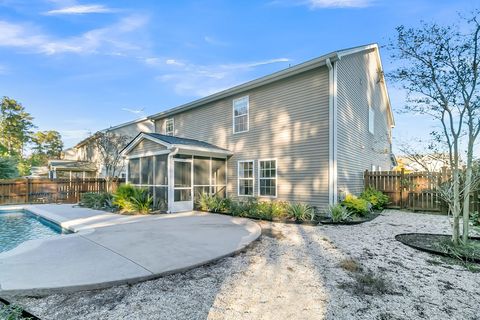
{"type": "Point", "coordinates": [19, 226]}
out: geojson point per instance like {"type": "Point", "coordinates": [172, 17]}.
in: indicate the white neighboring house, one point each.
{"type": "Point", "coordinates": [432, 162]}
{"type": "Point", "coordinates": [85, 151]}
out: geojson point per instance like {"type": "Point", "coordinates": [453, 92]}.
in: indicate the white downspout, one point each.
{"type": "Point", "coordinates": [171, 177]}
{"type": "Point", "coordinates": [332, 145]}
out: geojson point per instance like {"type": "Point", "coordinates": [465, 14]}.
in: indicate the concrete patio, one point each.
{"type": "Point", "coordinates": [109, 249]}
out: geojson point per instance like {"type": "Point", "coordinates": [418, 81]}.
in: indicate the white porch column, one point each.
{"type": "Point", "coordinates": [171, 179]}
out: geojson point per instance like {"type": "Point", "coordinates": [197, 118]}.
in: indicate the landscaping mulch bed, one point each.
{"type": "Point", "coordinates": [439, 244]}
{"type": "Point", "coordinates": [286, 221]}
{"type": "Point", "coordinates": [350, 222]}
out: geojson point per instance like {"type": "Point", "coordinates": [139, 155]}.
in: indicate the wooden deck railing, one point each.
{"type": "Point", "coordinates": [25, 190]}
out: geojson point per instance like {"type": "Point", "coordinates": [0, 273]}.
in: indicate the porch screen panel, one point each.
{"type": "Point", "coordinates": [201, 171]}
{"type": "Point", "coordinates": [134, 171]}
{"type": "Point", "coordinates": [147, 171]}
{"type": "Point", "coordinates": [219, 177]}
{"type": "Point", "coordinates": [219, 172]}
{"type": "Point", "coordinates": [161, 198]}
{"type": "Point", "coordinates": [182, 174]}
{"type": "Point", "coordinates": [161, 172]}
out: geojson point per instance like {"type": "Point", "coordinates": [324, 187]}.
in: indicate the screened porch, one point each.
{"type": "Point", "coordinates": [176, 174]}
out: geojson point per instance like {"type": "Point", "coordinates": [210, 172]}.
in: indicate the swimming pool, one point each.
{"type": "Point", "coordinates": [18, 226]}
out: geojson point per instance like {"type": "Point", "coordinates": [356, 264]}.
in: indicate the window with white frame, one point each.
{"type": "Point", "coordinates": [246, 178]}
{"type": "Point", "coordinates": [169, 127]}
{"type": "Point", "coordinates": [371, 120]}
{"type": "Point", "coordinates": [267, 176]}
{"type": "Point", "coordinates": [240, 115]}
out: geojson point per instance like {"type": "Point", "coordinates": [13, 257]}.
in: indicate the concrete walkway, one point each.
{"type": "Point", "coordinates": [109, 249]}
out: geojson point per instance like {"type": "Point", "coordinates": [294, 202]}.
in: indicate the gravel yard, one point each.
{"type": "Point", "coordinates": [298, 272]}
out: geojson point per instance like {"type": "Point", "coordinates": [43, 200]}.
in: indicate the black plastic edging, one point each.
{"type": "Point", "coordinates": [25, 313]}
{"type": "Point", "coordinates": [440, 253]}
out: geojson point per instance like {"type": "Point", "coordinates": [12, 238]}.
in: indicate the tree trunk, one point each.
{"type": "Point", "coordinates": [456, 197]}
{"type": "Point", "coordinates": [467, 188]}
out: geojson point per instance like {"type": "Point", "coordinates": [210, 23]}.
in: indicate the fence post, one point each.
{"type": "Point", "coordinates": [402, 179]}
{"type": "Point", "coordinates": [366, 178]}
{"type": "Point", "coordinates": [27, 190]}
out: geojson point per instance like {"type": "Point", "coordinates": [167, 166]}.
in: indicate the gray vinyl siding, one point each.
{"type": "Point", "coordinates": [145, 146]}
{"type": "Point", "coordinates": [288, 122]}
{"type": "Point", "coordinates": [357, 149]}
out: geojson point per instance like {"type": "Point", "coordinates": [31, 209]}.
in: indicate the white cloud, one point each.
{"type": "Point", "coordinates": [80, 9]}
{"type": "Point", "coordinates": [116, 39]}
{"type": "Point", "coordinates": [314, 4]}
{"type": "Point", "coordinates": [174, 62]}
{"type": "Point", "coordinates": [325, 4]}
{"type": "Point", "coordinates": [214, 41]}
{"type": "Point", "coordinates": [202, 80]}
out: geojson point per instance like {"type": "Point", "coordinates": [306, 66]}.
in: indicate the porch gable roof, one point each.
{"type": "Point", "coordinates": [172, 142]}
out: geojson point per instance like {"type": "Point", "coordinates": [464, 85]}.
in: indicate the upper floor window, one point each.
{"type": "Point", "coordinates": [246, 178]}
{"type": "Point", "coordinates": [169, 126]}
{"type": "Point", "coordinates": [267, 178]}
{"type": "Point", "coordinates": [371, 120]}
{"type": "Point", "coordinates": [240, 115]}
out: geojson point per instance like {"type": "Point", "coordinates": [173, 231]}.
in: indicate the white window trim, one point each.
{"type": "Point", "coordinates": [252, 178]}
{"type": "Point", "coordinates": [276, 178]}
{"type": "Point", "coordinates": [371, 120]}
{"type": "Point", "coordinates": [248, 114]}
{"type": "Point", "coordinates": [173, 125]}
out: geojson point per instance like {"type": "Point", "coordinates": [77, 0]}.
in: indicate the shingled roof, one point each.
{"type": "Point", "coordinates": [177, 142]}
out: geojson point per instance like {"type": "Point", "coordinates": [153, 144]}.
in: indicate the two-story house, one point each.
{"type": "Point", "coordinates": [303, 134]}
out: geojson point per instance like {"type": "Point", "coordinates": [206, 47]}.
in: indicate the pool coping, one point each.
{"type": "Point", "coordinates": [254, 232]}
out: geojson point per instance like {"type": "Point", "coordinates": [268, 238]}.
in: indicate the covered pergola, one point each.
{"type": "Point", "coordinates": [176, 170]}
{"type": "Point", "coordinates": [71, 169]}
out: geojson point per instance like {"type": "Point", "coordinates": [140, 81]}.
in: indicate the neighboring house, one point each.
{"type": "Point", "coordinates": [304, 134]}
{"type": "Point", "coordinates": [432, 162]}
{"type": "Point", "coordinates": [65, 169]}
{"type": "Point", "coordinates": [86, 152]}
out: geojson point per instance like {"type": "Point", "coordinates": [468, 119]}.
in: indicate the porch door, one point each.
{"type": "Point", "coordinates": [183, 186]}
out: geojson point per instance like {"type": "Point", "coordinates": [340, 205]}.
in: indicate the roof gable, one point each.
{"type": "Point", "coordinates": [147, 143]}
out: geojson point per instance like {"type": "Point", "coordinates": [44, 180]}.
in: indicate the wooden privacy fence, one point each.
{"type": "Point", "coordinates": [417, 191]}
{"type": "Point", "coordinates": [50, 191]}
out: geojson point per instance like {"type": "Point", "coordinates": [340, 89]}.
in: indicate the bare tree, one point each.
{"type": "Point", "coordinates": [439, 73]}
{"type": "Point", "coordinates": [464, 56]}
{"type": "Point", "coordinates": [109, 145]}
{"type": "Point", "coordinates": [427, 156]}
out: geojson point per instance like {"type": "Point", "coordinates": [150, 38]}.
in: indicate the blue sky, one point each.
{"type": "Point", "coordinates": [79, 66]}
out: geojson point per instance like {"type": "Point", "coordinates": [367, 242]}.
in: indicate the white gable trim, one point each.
{"type": "Point", "coordinates": [139, 138]}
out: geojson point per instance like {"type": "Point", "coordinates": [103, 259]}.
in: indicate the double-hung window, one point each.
{"type": "Point", "coordinates": [371, 120]}
{"type": "Point", "coordinates": [246, 178]}
{"type": "Point", "coordinates": [169, 127]}
{"type": "Point", "coordinates": [240, 115]}
{"type": "Point", "coordinates": [267, 177]}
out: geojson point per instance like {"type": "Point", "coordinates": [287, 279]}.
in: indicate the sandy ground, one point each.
{"type": "Point", "coordinates": [298, 272]}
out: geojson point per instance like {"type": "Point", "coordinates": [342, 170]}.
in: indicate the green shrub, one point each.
{"type": "Point", "coordinates": [203, 202]}
{"type": "Point", "coordinates": [94, 200]}
{"type": "Point", "coordinates": [475, 218]}
{"type": "Point", "coordinates": [141, 200]}
{"type": "Point", "coordinates": [300, 211]}
{"type": "Point", "coordinates": [375, 197]}
{"type": "Point", "coordinates": [133, 199]}
{"type": "Point", "coordinates": [356, 205]}
{"type": "Point", "coordinates": [338, 213]}
{"type": "Point", "coordinates": [213, 203]}
{"type": "Point", "coordinates": [272, 209]}
{"type": "Point", "coordinates": [237, 208]}
{"type": "Point", "coordinates": [11, 312]}
{"type": "Point", "coordinates": [123, 197]}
